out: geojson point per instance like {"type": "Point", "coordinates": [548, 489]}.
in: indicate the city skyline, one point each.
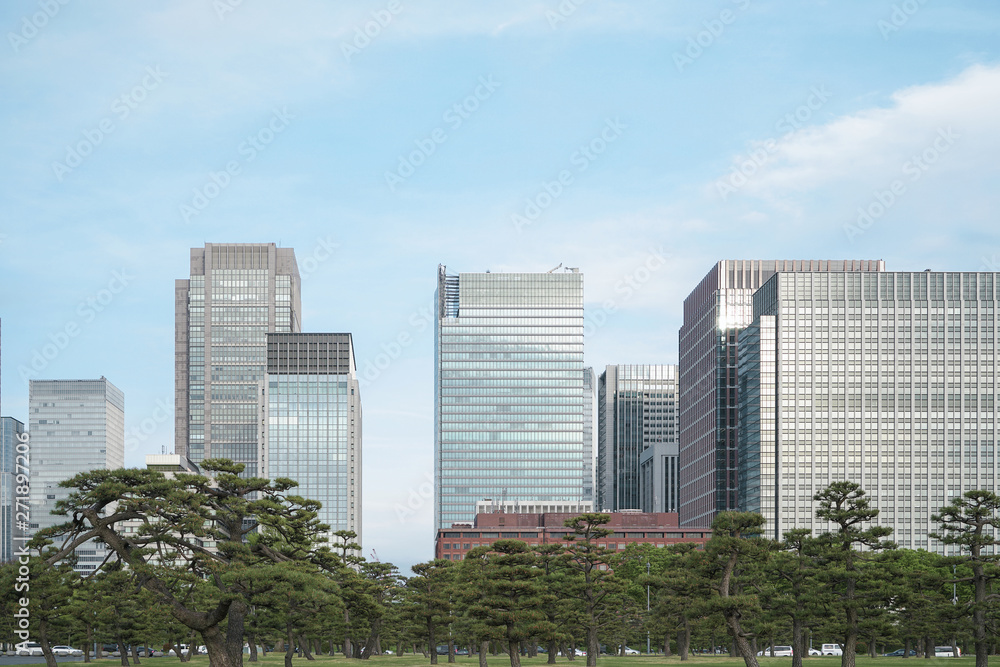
{"type": "Point", "coordinates": [623, 138]}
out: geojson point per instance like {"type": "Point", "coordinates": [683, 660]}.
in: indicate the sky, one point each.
{"type": "Point", "coordinates": [641, 141]}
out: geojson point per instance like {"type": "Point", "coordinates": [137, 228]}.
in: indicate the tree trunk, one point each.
{"type": "Point", "coordinates": [43, 639]}
{"type": "Point", "coordinates": [432, 642]}
{"type": "Point", "coordinates": [906, 648]}
{"type": "Point", "coordinates": [979, 613]}
{"type": "Point", "coordinates": [514, 651]}
{"type": "Point", "coordinates": [135, 654]}
{"type": "Point", "coordinates": [684, 640]}
{"type": "Point", "coordinates": [451, 650]}
{"type": "Point", "coordinates": [219, 654]}
{"type": "Point", "coordinates": [90, 641]}
{"type": "Point", "coordinates": [666, 646]}
{"type": "Point", "coordinates": [553, 649]}
{"type": "Point", "coordinates": [928, 648]}
{"type": "Point", "coordinates": [252, 641]}
{"type": "Point", "coordinates": [290, 645]}
{"type": "Point", "coordinates": [304, 645]}
{"type": "Point", "coordinates": [123, 651]}
{"type": "Point", "coordinates": [798, 643]}
{"type": "Point", "coordinates": [484, 647]}
{"type": "Point", "coordinates": [193, 644]}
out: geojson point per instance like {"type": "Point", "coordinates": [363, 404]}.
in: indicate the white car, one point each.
{"type": "Point", "coordinates": [630, 651]}
{"type": "Point", "coordinates": [66, 651]}
{"type": "Point", "coordinates": [30, 649]}
{"type": "Point", "coordinates": [832, 649]}
{"type": "Point", "coordinates": [945, 652]}
{"type": "Point", "coordinates": [815, 651]}
{"type": "Point", "coordinates": [779, 652]}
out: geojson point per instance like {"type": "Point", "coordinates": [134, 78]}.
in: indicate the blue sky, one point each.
{"type": "Point", "coordinates": [611, 136]}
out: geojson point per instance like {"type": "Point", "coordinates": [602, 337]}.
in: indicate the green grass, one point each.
{"type": "Point", "coordinates": [410, 660]}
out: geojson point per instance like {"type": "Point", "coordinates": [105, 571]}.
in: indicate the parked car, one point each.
{"type": "Point", "coordinates": [947, 652]}
{"type": "Point", "coordinates": [630, 651]}
{"type": "Point", "coordinates": [832, 649]}
{"type": "Point", "coordinates": [148, 652]}
{"type": "Point", "coordinates": [779, 652]}
{"type": "Point", "coordinates": [66, 651]}
{"type": "Point", "coordinates": [30, 649]}
{"type": "Point", "coordinates": [579, 652]}
{"type": "Point", "coordinates": [815, 651]}
{"type": "Point", "coordinates": [898, 653]}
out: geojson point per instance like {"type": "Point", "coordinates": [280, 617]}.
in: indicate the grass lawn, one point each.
{"type": "Point", "coordinates": [409, 660]}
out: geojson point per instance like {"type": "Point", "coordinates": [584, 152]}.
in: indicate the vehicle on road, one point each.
{"type": "Point", "coordinates": [898, 653]}
{"type": "Point", "coordinates": [832, 649]}
{"type": "Point", "coordinates": [947, 652]}
{"type": "Point", "coordinates": [66, 651]}
{"type": "Point", "coordinates": [815, 651]}
{"type": "Point", "coordinates": [630, 651]}
{"type": "Point", "coordinates": [30, 649]}
{"type": "Point", "coordinates": [779, 652]}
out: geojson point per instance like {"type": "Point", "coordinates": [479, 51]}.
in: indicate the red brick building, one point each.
{"type": "Point", "coordinates": [659, 529]}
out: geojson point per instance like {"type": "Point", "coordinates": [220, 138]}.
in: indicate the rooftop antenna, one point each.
{"type": "Point", "coordinates": [557, 268]}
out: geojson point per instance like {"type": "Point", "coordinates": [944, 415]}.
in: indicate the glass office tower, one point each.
{"type": "Point", "coordinates": [589, 444]}
{"type": "Point", "coordinates": [10, 429]}
{"type": "Point", "coordinates": [714, 314]}
{"type": "Point", "coordinates": [508, 390]}
{"type": "Point", "coordinates": [312, 431]}
{"type": "Point", "coordinates": [236, 294]}
{"type": "Point", "coordinates": [637, 411]}
{"type": "Point", "coordinates": [884, 379]}
{"type": "Point", "coordinates": [75, 426]}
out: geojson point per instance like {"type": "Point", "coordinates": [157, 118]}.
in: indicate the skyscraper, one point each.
{"type": "Point", "coordinates": [236, 294]}
{"type": "Point", "coordinates": [637, 411]}
{"type": "Point", "coordinates": [508, 390]}
{"type": "Point", "coordinates": [884, 379]}
{"type": "Point", "coordinates": [10, 430]}
{"type": "Point", "coordinates": [714, 313]}
{"type": "Point", "coordinates": [312, 427]}
{"type": "Point", "coordinates": [75, 426]}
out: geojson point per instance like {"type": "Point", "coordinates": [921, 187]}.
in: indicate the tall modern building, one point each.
{"type": "Point", "coordinates": [714, 314]}
{"type": "Point", "coordinates": [75, 426]}
{"type": "Point", "coordinates": [885, 379]}
{"type": "Point", "coordinates": [508, 390]}
{"type": "Point", "coordinates": [10, 431]}
{"type": "Point", "coordinates": [589, 441]}
{"type": "Point", "coordinates": [236, 294]}
{"type": "Point", "coordinates": [637, 415]}
{"type": "Point", "coordinates": [311, 405]}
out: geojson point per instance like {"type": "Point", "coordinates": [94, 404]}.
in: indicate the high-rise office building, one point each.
{"type": "Point", "coordinates": [312, 424]}
{"type": "Point", "coordinates": [236, 294]}
{"type": "Point", "coordinates": [714, 313]}
{"type": "Point", "coordinates": [589, 442]}
{"type": "Point", "coordinates": [637, 411]}
{"type": "Point", "coordinates": [886, 379]}
{"type": "Point", "coordinates": [75, 426]}
{"type": "Point", "coordinates": [508, 390]}
{"type": "Point", "coordinates": [10, 432]}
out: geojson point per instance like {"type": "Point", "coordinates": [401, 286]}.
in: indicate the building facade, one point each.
{"type": "Point", "coordinates": [75, 426]}
{"type": "Point", "coordinates": [637, 415]}
{"type": "Point", "coordinates": [236, 294]}
{"type": "Point", "coordinates": [589, 433]}
{"type": "Point", "coordinates": [886, 379]}
{"type": "Point", "coordinates": [714, 314]}
{"type": "Point", "coordinates": [508, 390]}
{"type": "Point", "coordinates": [658, 529]}
{"type": "Point", "coordinates": [311, 431]}
{"type": "Point", "coordinates": [10, 432]}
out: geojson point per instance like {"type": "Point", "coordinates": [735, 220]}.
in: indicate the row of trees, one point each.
{"type": "Point", "coordinates": [224, 561]}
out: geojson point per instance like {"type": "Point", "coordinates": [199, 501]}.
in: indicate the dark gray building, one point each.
{"type": "Point", "coordinates": [637, 414]}
{"type": "Point", "coordinates": [236, 294]}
